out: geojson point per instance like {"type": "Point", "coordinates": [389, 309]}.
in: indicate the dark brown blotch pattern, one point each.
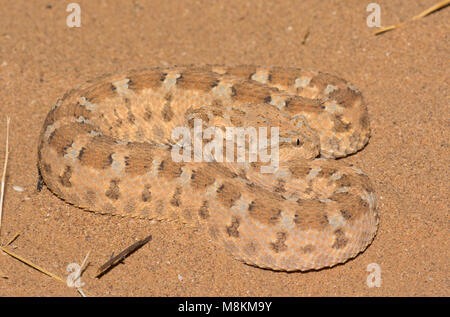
{"type": "Point", "coordinates": [203, 212]}
{"type": "Point", "coordinates": [113, 191]}
{"type": "Point", "coordinates": [99, 92]}
{"type": "Point", "coordinates": [284, 77]}
{"type": "Point", "coordinates": [176, 197]}
{"type": "Point", "coordinates": [170, 169]}
{"type": "Point", "coordinates": [322, 80]}
{"type": "Point", "coordinates": [299, 169]}
{"type": "Point", "coordinates": [131, 117]}
{"type": "Point", "coordinates": [197, 80]}
{"type": "Point", "coordinates": [233, 229]}
{"type": "Point", "coordinates": [202, 178]}
{"type": "Point", "coordinates": [63, 137]}
{"type": "Point", "coordinates": [47, 168]}
{"type": "Point", "coordinates": [364, 120]}
{"type": "Point", "coordinates": [279, 245]}
{"type": "Point", "coordinates": [227, 194]}
{"type": "Point", "coordinates": [250, 92]}
{"type": "Point", "coordinates": [242, 71]}
{"type": "Point", "coordinates": [266, 209]}
{"type": "Point", "coordinates": [144, 80]}
{"type": "Point", "coordinates": [352, 207]}
{"type": "Point", "coordinates": [91, 197]}
{"type": "Point", "coordinates": [167, 112]}
{"type": "Point", "coordinates": [311, 214]}
{"type": "Point", "coordinates": [146, 194]}
{"type": "Point", "coordinates": [139, 159]}
{"type": "Point", "coordinates": [64, 179]}
{"type": "Point", "coordinates": [258, 209]}
{"type": "Point", "coordinates": [98, 153]}
{"type": "Point", "coordinates": [340, 239]}
{"type": "Point", "coordinates": [339, 125]}
{"type": "Point", "coordinates": [345, 97]}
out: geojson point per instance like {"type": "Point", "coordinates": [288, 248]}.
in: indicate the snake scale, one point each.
{"type": "Point", "coordinates": [106, 147]}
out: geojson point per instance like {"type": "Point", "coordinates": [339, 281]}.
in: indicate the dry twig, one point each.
{"type": "Point", "coordinates": [121, 256]}
{"type": "Point", "coordinates": [2, 189]}
{"type": "Point", "coordinates": [34, 266]}
{"type": "Point", "coordinates": [428, 11]}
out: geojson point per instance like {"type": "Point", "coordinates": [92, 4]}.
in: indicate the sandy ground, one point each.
{"type": "Point", "coordinates": [403, 75]}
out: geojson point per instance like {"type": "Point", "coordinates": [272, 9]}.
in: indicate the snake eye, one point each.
{"type": "Point", "coordinates": [298, 142]}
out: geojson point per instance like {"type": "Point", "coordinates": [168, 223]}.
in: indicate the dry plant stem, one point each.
{"type": "Point", "coordinates": [436, 7]}
{"type": "Point", "coordinates": [428, 11]}
{"type": "Point", "coordinates": [34, 266]}
{"type": "Point", "coordinates": [121, 256]}
{"type": "Point", "coordinates": [13, 239]}
{"type": "Point", "coordinates": [83, 265]}
{"type": "Point", "coordinates": [2, 190]}
{"type": "Point", "coordinates": [79, 290]}
{"type": "Point", "coordinates": [82, 268]}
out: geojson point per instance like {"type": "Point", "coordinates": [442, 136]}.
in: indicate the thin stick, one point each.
{"type": "Point", "coordinates": [305, 37]}
{"type": "Point", "coordinates": [12, 239]}
{"type": "Point", "coordinates": [388, 28]}
{"type": "Point", "coordinates": [81, 292]}
{"type": "Point", "coordinates": [436, 7]}
{"type": "Point", "coordinates": [428, 11]}
{"type": "Point", "coordinates": [121, 256]}
{"type": "Point", "coordinates": [34, 266]}
{"type": "Point", "coordinates": [2, 190]}
{"type": "Point", "coordinates": [83, 264]}
{"type": "Point", "coordinates": [82, 267]}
